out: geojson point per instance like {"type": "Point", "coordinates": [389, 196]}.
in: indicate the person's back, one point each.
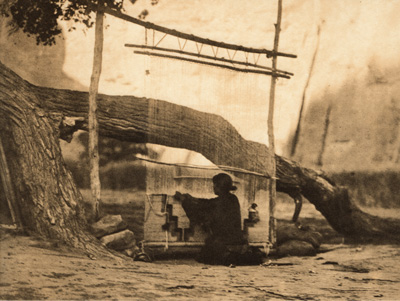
{"type": "Point", "coordinates": [225, 220]}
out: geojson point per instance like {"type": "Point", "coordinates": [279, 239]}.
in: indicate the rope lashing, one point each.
{"type": "Point", "coordinates": [231, 58]}
{"type": "Point", "coordinates": [214, 51]}
{"type": "Point", "coordinates": [180, 46]}
{"type": "Point", "coordinates": [160, 40]}
{"type": "Point", "coordinates": [199, 50]}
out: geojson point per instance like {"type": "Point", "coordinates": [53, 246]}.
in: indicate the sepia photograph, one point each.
{"type": "Point", "coordinates": [199, 150]}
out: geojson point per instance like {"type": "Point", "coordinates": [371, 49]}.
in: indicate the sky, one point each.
{"type": "Point", "coordinates": [346, 38]}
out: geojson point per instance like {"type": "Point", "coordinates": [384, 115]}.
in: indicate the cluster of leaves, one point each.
{"type": "Point", "coordinates": [145, 12]}
{"type": "Point", "coordinates": [39, 17]}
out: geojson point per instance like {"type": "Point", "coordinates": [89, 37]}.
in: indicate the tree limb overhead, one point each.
{"type": "Point", "coordinates": [144, 120]}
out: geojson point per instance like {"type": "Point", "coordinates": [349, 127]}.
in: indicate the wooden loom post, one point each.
{"type": "Point", "coordinates": [95, 186]}
{"type": "Point", "coordinates": [271, 138]}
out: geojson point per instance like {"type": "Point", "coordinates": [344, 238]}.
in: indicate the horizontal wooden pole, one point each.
{"type": "Point", "coordinates": [205, 167]}
{"type": "Point", "coordinates": [196, 244]}
{"type": "Point", "coordinates": [211, 64]}
{"type": "Point", "coordinates": [173, 32]}
{"type": "Point", "coordinates": [206, 57]}
{"type": "Point", "coordinates": [174, 244]}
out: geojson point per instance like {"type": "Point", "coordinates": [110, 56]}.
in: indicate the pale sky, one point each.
{"type": "Point", "coordinates": [353, 35]}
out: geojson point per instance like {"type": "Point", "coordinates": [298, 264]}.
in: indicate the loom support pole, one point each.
{"type": "Point", "coordinates": [94, 156]}
{"type": "Point", "coordinates": [271, 138]}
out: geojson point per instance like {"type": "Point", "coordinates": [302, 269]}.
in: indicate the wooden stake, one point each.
{"type": "Point", "coordinates": [271, 138]}
{"type": "Point", "coordinates": [93, 121]}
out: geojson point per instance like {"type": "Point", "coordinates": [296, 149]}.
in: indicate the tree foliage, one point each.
{"type": "Point", "coordinates": [39, 18]}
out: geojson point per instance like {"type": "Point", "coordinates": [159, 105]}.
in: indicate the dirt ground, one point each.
{"type": "Point", "coordinates": [37, 269]}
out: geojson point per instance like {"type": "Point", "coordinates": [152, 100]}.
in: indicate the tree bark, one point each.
{"type": "Point", "coordinates": [46, 197]}
{"type": "Point", "coordinates": [8, 188]}
{"type": "Point", "coordinates": [34, 145]}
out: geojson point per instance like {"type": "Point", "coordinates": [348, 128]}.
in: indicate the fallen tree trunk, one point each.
{"type": "Point", "coordinates": [144, 120]}
{"type": "Point", "coordinates": [334, 202]}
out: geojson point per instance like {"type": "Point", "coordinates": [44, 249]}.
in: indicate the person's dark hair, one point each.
{"type": "Point", "coordinates": [224, 181]}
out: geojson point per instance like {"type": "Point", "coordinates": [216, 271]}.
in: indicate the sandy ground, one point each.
{"type": "Point", "coordinates": [35, 269]}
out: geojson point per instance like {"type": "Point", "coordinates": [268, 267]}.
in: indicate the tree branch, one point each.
{"type": "Point", "coordinates": [144, 120]}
